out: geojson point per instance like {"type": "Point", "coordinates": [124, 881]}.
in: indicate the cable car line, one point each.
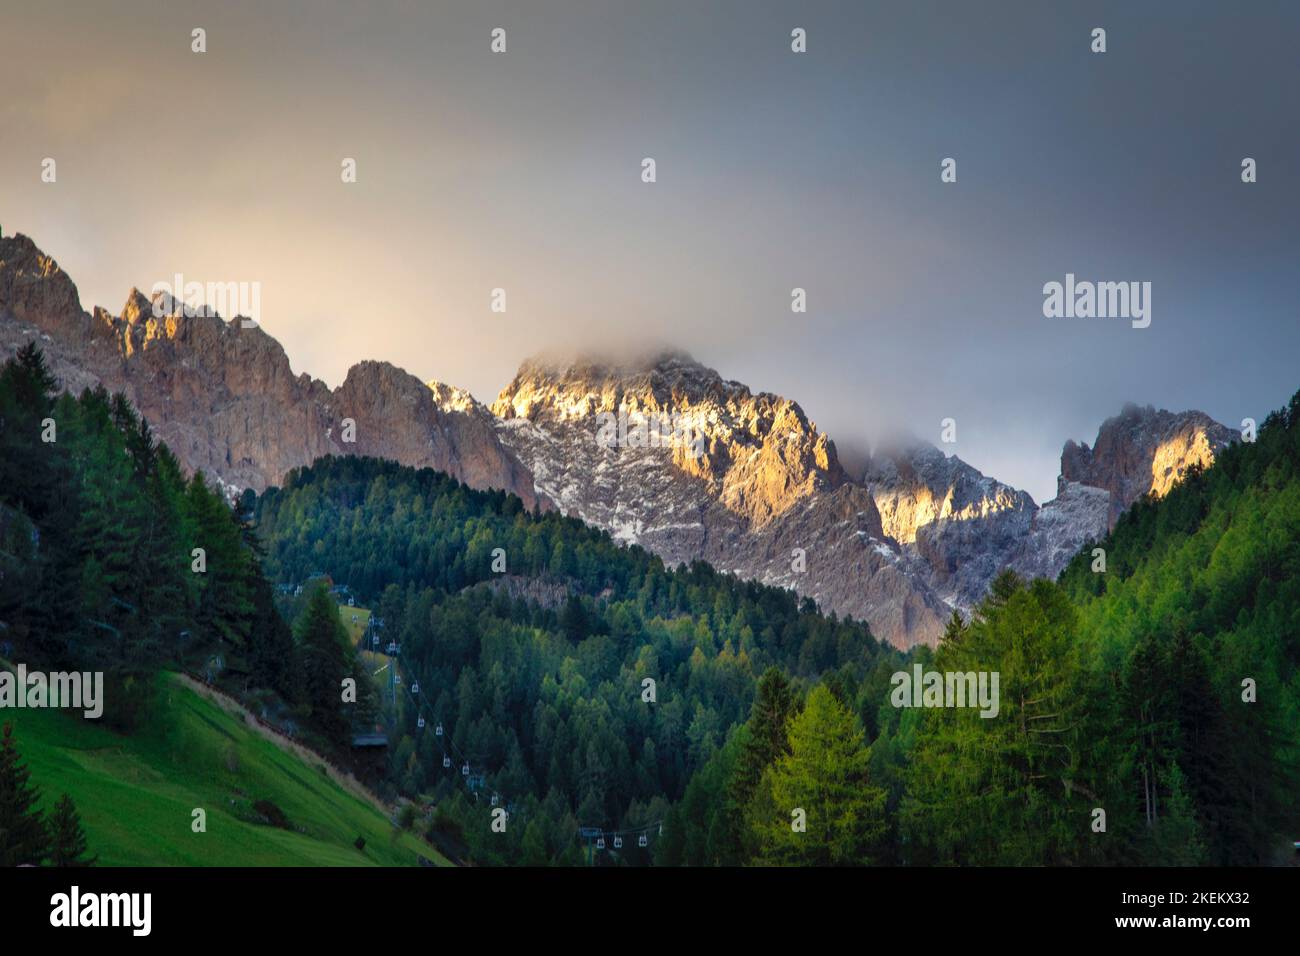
{"type": "Point", "coordinates": [469, 774]}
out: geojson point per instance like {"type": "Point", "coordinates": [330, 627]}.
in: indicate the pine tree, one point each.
{"type": "Point", "coordinates": [325, 661]}
{"type": "Point", "coordinates": [533, 850]}
{"type": "Point", "coordinates": [68, 840]}
{"type": "Point", "coordinates": [27, 464]}
{"type": "Point", "coordinates": [1148, 721]}
{"type": "Point", "coordinates": [768, 719]}
{"type": "Point", "coordinates": [23, 837]}
{"type": "Point", "coordinates": [271, 653]}
{"type": "Point", "coordinates": [825, 776]}
{"type": "Point", "coordinates": [1176, 837]}
{"type": "Point", "coordinates": [955, 629]}
{"type": "Point", "coordinates": [1002, 588]}
{"type": "Point", "coordinates": [225, 610]}
{"type": "Point", "coordinates": [1012, 789]}
{"type": "Point", "coordinates": [573, 618]}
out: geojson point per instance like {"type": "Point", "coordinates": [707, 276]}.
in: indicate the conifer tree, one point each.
{"type": "Point", "coordinates": [769, 717]}
{"type": "Point", "coordinates": [1010, 789]}
{"type": "Point", "coordinates": [325, 658]}
{"type": "Point", "coordinates": [67, 838]}
{"type": "Point", "coordinates": [825, 776]}
{"type": "Point", "coordinates": [1176, 837]}
{"type": "Point", "coordinates": [955, 629]}
{"type": "Point", "coordinates": [23, 837]}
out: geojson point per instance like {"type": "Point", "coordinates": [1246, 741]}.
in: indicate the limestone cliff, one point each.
{"type": "Point", "coordinates": [1143, 450]}
{"type": "Point", "coordinates": [224, 397]}
{"type": "Point", "coordinates": [760, 492]}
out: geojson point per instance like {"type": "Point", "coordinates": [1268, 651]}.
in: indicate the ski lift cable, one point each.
{"type": "Point", "coordinates": [469, 771]}
{"type": "Point", "coordinates": [447, 740]}
{"type": "Point", "coordinates": [626, 832]}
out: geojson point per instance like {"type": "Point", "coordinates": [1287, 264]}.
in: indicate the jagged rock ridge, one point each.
{"type": "Point", "coordinates": [957, 527]}
{"type": "Point", "coordinates": [1142, 450]}
{"type": "Point", "coordinates": [223, 396]}
{"type": "Point", "coordinates": [763, 483]}
{"type": "Point", "coordinates": [911, 536]}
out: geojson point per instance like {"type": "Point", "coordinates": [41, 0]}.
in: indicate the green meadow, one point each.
{"type": "Point", "coordinates": [136, 794]}
{"type": "Point", "coordinates": [355, 619]}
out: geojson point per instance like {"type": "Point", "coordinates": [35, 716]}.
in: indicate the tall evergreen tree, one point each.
{"type": "Point", "coordinates": [67, 838]}
{"type": "Point", "coordinates": [1015, 788]}
{"type": "Point", "coordinates": [325, 660]}
{"type": "Point", "coordinates": [955, 629]}
{"type": "Point", "coordinates": [825, 777]}
{"type": "Point", "coordinates": [23, 836]}
{"type": "Point", "coordinates": [769, 718]}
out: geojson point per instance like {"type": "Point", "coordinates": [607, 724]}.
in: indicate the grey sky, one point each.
{"type": "Point", "coordinates": [775, 170]}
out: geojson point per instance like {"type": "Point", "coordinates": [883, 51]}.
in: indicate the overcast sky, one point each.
{"type": "Point", "coordinates": [820, 170]}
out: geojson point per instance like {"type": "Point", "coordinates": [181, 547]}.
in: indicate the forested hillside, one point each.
{"type": "Point", "coordinates": [112, 560]}
{"type": "Point", "coordinates": [1199, 608]}
{"type": "Point", "coordinates": [531, 638]}
{"type": "Point", "coordinates": [1150, 708]}
{"type": "Point", "coordinates": [97, 524]}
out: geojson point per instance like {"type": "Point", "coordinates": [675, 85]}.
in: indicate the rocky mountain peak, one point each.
{"type": "Point", "coordinates": [759, 453]}
{"type": "Point", "coordinates": [955, 527]}
{"type": "Point", "coordinates": [449, 398]}
{"type": "Point", "coordinates": [33, 289]}
{"type": "Point", "coordinates": [224, 397]}
{"type": "Point", "coordinates": [762, 494]}
{"type": "Point", "coordinates": [1143, 450]}
{"type": "Point", "coordinates": [581, 386]}
{"type": "Point", "coordinates": [915, 484]}
{"type": "Point", "coordinates": [138, 307]}
{"type": "Point", "coordinates": [1139, 451]}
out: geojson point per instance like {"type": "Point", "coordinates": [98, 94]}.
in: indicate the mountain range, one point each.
{"type": "Point", "coordinates": [749, 483]}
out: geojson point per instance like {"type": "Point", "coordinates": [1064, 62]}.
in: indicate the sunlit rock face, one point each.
{"type": "Point", "coordinates": [915, 484]}
{"type": "Point", "coordinates": [427, 425]}
{"type": "Point", "coordinates": [223, 396]}
{"type": "Point", "coordinates": [762, 494]}
{"type": "Point", "coordinates": [1137, 452]}
{"type": "Point", "coordinates": [957, 527]}
{"type": "Point", "coordinates": [757, 454]}
{"type": "Point", "coordinates": [1143, 450]}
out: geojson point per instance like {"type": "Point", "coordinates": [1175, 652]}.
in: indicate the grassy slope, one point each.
{"type": "Point", "coordinates": [357, 629]}
{"type": "Point", "coordinates": [375, 664]}
{"type": "Point", "coordinates": [136, 794]}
